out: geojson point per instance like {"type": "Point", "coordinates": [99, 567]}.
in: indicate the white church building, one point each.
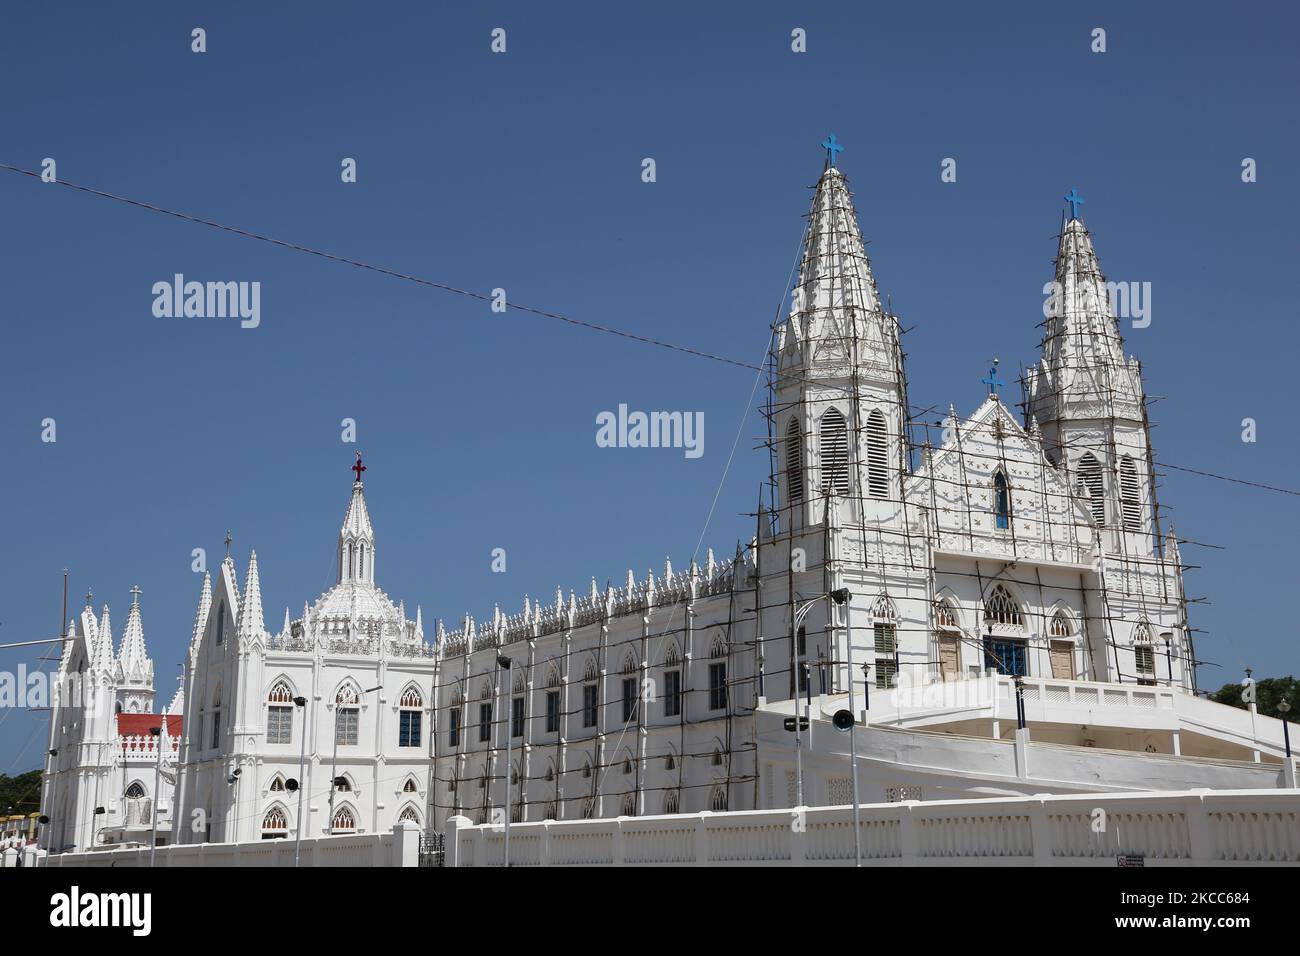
{"type": "Point", "coordinates": [1005, 606]}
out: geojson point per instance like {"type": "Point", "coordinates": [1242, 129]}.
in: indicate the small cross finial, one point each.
{"type": "Point", "coordinates": [228, 540]}
{"type": "Point", "coordinates": [90, 597]}
{"type": "Point", "coordinates": [135, 594]}
{"type": "Point", "coordinates": [1075, 201]}
{"type": "Point", "coordinates": [832, 148]}
{"type": "Point", "coordinates": [358, 467]}
{"type": "Point", "coordinates": [993, 382]}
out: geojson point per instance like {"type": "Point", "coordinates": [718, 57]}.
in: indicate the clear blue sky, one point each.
{"type": "Point", "coordinates": [522, 171]}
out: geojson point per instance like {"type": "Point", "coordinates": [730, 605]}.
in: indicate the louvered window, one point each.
{"type": "Point", "coordinates": [835, 453]}
{"type": "Point", "coordinates": [1130, 494]}
{"type": "Point", "coordinates": [1091, 486]}
{"type": "Point", "coordinates": [877, 455]}
{"type": "Point", "coordinates": [794, 460]}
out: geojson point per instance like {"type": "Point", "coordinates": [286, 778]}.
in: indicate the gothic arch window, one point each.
{"type": "Point", "coordinates": [794, 460]}
{"type": "Point", "coordinates": [719, 800]}
{"type": "Point", "coordinates": [216, 717]}
{"type": "Point", "coordinates": [1001, 501]}
{"type": "Point", "coordinates": [877, 455]}
{"type": "Point", "coordinates": [409, 786]}
{"type": "Point", "coordinates": [275, 825]}
{"type": "Point", "coordinates": [1130, 494]}
{"type": "Point", "coordinates": [945, 615]}
{"type": "Point", "coordinates": [521, 683]}
{"type": "Point", "coordinates": [1144, 654]}
{"type": "Point", "coordinates": [344, 820]}
{"type": "Point", "coordinates": [586, 769]}
{"type": "Point", "coordinates": [629, 664]}
{"type": "Point", "coordinates": [718, 647]}
{"type": "Point", "coordinates": [279, 713]}
{"type": "Point", "coordinates": [550, 771]}
{"type": "Point", "coordinates": [352, 561]}
{"type": "Point", "coordinates": [835, 452]}
{"type": "Point", "coordinates": [552, 676]}
{"type": "Point", "coordinates": [589, 672]}
{"type": "Point", "coordinates": [884, 626]}
{"type": "Point", "coordinates": [1091, 488]}
{"type": "Point", "coordinates": [347, 715]}
{"type": "Point", "coordinates": [361, 562]}
{"type": "Point", "coordinates": [717, 755]}
{"type": "Point", "coordinates": [277, 784]}
{"type": "Point", "coordinates": [135, 791]}
{"type": "Point", "coordinates": [627, 763]}
{"type": "Point", "coordinates": [485, 689]}
{"type": "Point", "coordinates": [221, 622]}
{"type": "Point", "coordinates": [411, 697]}
{"type": "Point", "coordinates": [672, 657]}
{"type": "Point", "coordinates": [1005, 647]}
{"type": "Point", "coordinates": [1061, 625]}
{"type": "Point", "coordinates": [588, 808]}
{"type": "Point", "coordinates": [344, 784]}
{"type": "Point", "coordinates": [670, 760]}
{"type": "Point", "coordinates": [409, 815]}
{"type": "Point", "coordinates": [672, 803]}
{"type": "Point", "coordinates": [1001, 609]}
{"type": "Point", "coordinates": [410, 717]}
{"type": "Point", "coordinates": [629, 805]}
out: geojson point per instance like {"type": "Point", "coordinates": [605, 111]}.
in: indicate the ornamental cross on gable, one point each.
{"type": "Point", "coordinates": [993, 382]}
{"type": "Point", "coordinates": [358, 467]}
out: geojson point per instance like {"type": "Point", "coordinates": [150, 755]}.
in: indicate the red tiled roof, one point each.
{"type": "Point", "coordinates": [140, 724]}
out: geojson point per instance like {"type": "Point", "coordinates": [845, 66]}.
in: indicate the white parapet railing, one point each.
{"type": "Point", "coordinates": [1197, 828]}
{"type": "Point", "coordinates": [401, 847]}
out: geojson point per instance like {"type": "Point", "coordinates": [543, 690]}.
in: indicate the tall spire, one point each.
{"type": "Point", "coordinates": [835, 300]}
{"type": "Point", "coordinates": [103, 657]}
{"type": "Point", "coordinates": [134, 656]}
{"type": "Point", "coordinates": [1081, 331]}
{"type": "Point", "coordinates": [205, 604]}
{"type": "Point", "coordinates": [357, 537]}
{"type": "Point", "coordinates": [251, 624]}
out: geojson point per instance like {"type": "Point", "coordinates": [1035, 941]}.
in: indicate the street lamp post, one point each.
{"type": "Point", "coordinates": [301, 704]}
{"type": "Point", "coordinates": [841, 597]}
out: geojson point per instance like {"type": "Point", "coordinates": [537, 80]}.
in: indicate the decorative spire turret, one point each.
{"type": "Point", "coordinates": [357, 537]}
{"type": "Point", "coordinates": [134, 656]}
{"type": "Point", "coordinates": [251, 626]}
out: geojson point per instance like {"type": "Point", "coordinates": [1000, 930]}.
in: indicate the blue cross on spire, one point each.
{"type": "Point", "coordinates": [832, 147]}
{"type": "Point", "coordinates": [993, 382]}
{"type": "Point", "coordinates": [1075, 201]}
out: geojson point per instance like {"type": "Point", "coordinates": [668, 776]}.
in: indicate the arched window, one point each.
{"type": "Point", "coordinates": [344, 784]}
{"type": "Point", "coordinates": [409, 717]}
{"type": "Point", "coordinates": [718, 675]}
{"type": "Point", "coordinates": [346, 715]}
{"type": "Point", "coordinates": [1001, 610]}
{"type": "Point", "coordinates": [884, 622]}
{"type": "Point", "coordinates": [1090, 487]}
{"type": "Point", "coordinates": [835, 453]}
{"type": "Point", "coordinates": [1061, 626]}
{"type": "Point", "coordinates": [409, 815]}
{"type": "Point", "coordinates": [135, 791]}
{"type": "Point", "coordinates": [877, 455]}
{"type": "Point", "coordinates": [221, 621]}
{"type": "Point", "coordinates": [216, 718]}
{"type": "Point", "coordinates": [794, 460]}
{"type": "Point", "coordinates": [277, 784]}
{"type": "Point", "coordinates": [1005, 648]}
{"type": "Point", "coordinates": [361, 562]}
{"type": "Point", "coordinates": [344, 821]}
{"type": "Point", "coordinates": [275, 825]}
{"type": "Point", "coordinates": [1144, 654]}
{"type": "Point", "coordinates": [717, 756]}
{"type": "Point", "coordinates": [670, 762]}
{"type": "Point", "coordinates": [1130, 494]}
{"type": "Point", "coordinates": [550, 772]}
{"type": "Point", "coordinates": [629, 805]}
{"type": "Point", "coordinates": [672, 803]}
{"type": "Point", "coordinates": [1001, 501]}
{"type": "Point", "coordinates": [586, 770]}
{"type": "Point", "coordinates": [279, 713]}
{"type": "Point", "coordinates": [719, 800]}
{"type": "Point", "coordinates": [588, 808]}
{"type": "Point", "coordinates": [409, 786]}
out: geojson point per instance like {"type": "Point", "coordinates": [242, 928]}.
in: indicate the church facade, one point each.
{"type": "Point", "coordinates": [1027, 544]}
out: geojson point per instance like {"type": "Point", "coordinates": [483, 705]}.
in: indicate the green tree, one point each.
{"type": "Point", "coordinates": [22, 792]}
{"type": "Point", "coordinates": [1268, 692]}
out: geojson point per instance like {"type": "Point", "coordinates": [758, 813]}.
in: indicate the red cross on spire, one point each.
{"type": "Point", "coordinates": [358, 467]}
